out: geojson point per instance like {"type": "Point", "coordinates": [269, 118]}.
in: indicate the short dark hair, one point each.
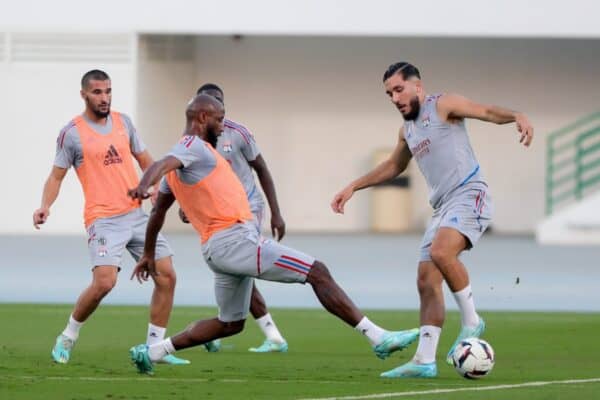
{"type": "Point", "coordinates": [407, 70]}
{"type": "Point", "coordinates": [209, 86]}
{"type": "Point", "coordinates": [96, 75]}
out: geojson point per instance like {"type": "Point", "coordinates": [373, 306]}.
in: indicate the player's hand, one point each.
{"type": "Point", "coordinates": [138, 193]}
{"type": "Point", "coordinates": [340, 199]}
{"type": "Point", "coordinates": [40, 216]}
{"type": "Point", "coordinates": [277, 227]}
{"type": "Point", "coordinates": [525, 129]}
{"type": "Point", "coordinates": [145, 268]}
{"type": "Point", "coordinates": [153, 197]}
{"type": "Point", "coordinates": [183, 217]}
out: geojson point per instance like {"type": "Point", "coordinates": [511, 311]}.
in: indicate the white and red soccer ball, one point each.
{"type": "Point", "coordinates": [473, 358]}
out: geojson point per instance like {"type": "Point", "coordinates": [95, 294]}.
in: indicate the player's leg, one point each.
{"type": "Point", "coordinates": [105, 247]}
{"type": "Point", "coordinates": [283, 264]}
{"type": "Point", "coordinates": [161, 302]}
{"type": "Point", "coordinates": [274, 341]}
{"type": "Point", "coordinates": [432, 313]}
{"type": "Point", "coordinates": [104, 278]}
{"type": "Point", "coordinates": [466, 217]}
{"type": "Point", "coordinates": [448, 244]}
{"type": "Point", "coordinates": [233, 298]}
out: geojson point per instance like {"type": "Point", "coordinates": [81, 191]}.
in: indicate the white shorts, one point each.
{"type": "Point", "coordinates": [468, 210]}
{"type": "Point", "coordinates": [239, 254]}
{"type": "Point", "coordinates": [109, 237]}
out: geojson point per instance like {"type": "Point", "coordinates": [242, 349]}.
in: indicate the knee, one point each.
{"type": "Point", "coordinates": [319, 274]}
{"type": "Point", "coordinates": [427, 285]}
{"type": "Point", "coordinates": [234, 327]}
{"type": "Point", "coordinates": [104, 285]}
{"type": "Point", "coordinates": [441, 255]}
{"type": "Point", "coordinates": [167, 277]}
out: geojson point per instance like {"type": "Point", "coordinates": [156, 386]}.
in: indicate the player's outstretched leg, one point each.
{"type": "Point", "coordinates": [335, 300]}
{"type": "Point", "coordinates": [274, 341]}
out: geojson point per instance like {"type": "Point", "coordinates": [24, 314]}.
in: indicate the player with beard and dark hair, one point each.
{"type": "Point", "coordinates": [434, 134]}
{"type": "Point", "coordinates": [101, 146]}
{"type": "Point", "coordinates": [215, 202]}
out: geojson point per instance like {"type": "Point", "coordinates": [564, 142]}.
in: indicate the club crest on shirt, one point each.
{"type": "Point", "coordinates": [426, 121]}
{"type": "Point", "coordinates": [227, 147]}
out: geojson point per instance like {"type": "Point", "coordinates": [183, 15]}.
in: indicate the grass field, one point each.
{"type": "Point", "coordinates": [326, 359]}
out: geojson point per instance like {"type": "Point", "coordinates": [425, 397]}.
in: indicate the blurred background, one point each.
{"type": "Point", "coordinates": [305, 78]}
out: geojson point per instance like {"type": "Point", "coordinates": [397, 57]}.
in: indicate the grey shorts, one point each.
{"type": "Point", "coordinates": [467, 210]}
{"type": "Point", "coordinates": [238, 255]}
{"type": "Point", "coordinates": [109, 237]}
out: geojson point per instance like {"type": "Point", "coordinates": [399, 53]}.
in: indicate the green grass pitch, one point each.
{"type": "Point", "coordinates": [326, 358]}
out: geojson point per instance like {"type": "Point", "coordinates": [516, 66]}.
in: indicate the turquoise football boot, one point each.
{"type": "Point", "coordinates": [412, 370]}
{"type": "Point", "coordinates": [269, 346]}
{"type": "Point", "coordinates": [394, 341]}
{"type": "Point", "coordinates": [140, 357]}
{"type": "Point", "coordinates": [62, 349]}
{"type": "Point", "coordinates": [466, 332]}
{"type": "Point", "coordinates": [172, 360]}
{"type": "Point", "coordinates": [212, 346]}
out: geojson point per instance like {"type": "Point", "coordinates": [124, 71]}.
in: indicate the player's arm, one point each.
{"type": "Point", "coordinates": [453, 106]}
{"type": "Point", "coordinates": [49, 195]}
{"type": "Point", "coordinates": [388, 169]}
{"type": "Point", "coordinates": [268, 186]}
{"type": "Point", "coordinates": [146, 266]}
{"type": "Point", "coordinates": [153, 174]}
{"type": "Point", "coordinates": [145, 160]}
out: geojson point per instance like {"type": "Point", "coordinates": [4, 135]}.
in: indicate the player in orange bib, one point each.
{"type": "Point", "coordinates": [215, 202]}
{"type": "Point", "coordinates": [101, 146]}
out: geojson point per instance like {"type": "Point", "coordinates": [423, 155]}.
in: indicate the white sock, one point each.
{"type": "Point", "coordinates": [155, 334]}
{"type": "Point", "coordinates": [468, 315]}
{"type": "Point", "coordinates": [72, 329]}
{"type": "Point", "coordinates": [373, 332]}
{"type": "Point", "coordinates": [429, 337]}
{"type": "Point", "coordinates": [267, 325]}
{"type": "Point", "coordinates": [158, 351]}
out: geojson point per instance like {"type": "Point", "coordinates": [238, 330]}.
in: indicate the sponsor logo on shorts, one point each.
{"type": "Point", "coordinates": [454, 220]}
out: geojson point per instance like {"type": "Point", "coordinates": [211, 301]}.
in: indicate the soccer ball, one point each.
{"type": "Point", "coordinates": [473, 358]}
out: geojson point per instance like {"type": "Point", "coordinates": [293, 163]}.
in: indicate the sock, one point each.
{"type": "Point", "coordinates": [155, 334]}
{"type": "Point", "coordinates": [267, 325]}
{"type": "Point", "coordinates": [72, 329]}
{"type": "Point", "coordinates": [157, 351]}
{"type": "Point", "coordinates": [468, 315]}
{"type": "Point", "coordinates": [429, 336]}
{"type": "Point", "coordinates": [373, 332]}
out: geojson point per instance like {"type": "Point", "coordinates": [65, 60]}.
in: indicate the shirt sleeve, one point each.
{"type": "Point", "coordinates": [66, 149]}
{"type": "Point", "coordinates": [164, 186]}
{"type": "Point", "coordinates": [248, 145]}
{"type": "Point", "coordinates": [135, 141]}
{"type": "Point", "coordinates": [189, 149]}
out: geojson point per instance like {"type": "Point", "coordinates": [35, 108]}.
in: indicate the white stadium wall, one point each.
{"type": "Point", "coordinates": [40, 80]}
{"type": "Point", "coordinates": [309, 87]}
{"type": "Point", "coordinates": [317, 108]}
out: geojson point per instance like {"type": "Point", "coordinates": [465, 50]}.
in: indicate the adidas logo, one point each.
{"type": "Point", "coordinates": [153, 334]}
{"type": "Point", "coordinates": [112, 156]}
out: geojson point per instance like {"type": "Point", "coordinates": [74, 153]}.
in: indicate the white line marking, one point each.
{"type": "Point", "coordinates": [463, 389]}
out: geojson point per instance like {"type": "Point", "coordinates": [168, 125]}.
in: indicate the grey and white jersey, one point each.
{"type": "Point", "coordinates": [237, 145]}
{"type": "Point", "coordinates": [442, 150]}
{"type": "Point", "coordinates": [69, 151]}
{"type": "Point", "coordinates": [197, 159]}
